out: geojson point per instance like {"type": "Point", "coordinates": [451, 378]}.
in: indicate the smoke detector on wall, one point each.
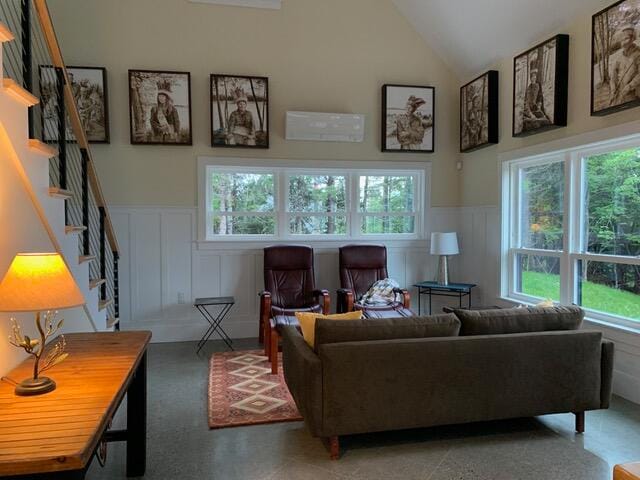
{"type": "Point", "coordinates": [270, 4]}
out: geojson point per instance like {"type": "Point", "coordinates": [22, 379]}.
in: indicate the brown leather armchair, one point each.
{"type": "Point", "coordinates": [289, 287]}
{"type": "Point", "coordinates": [360, 267]}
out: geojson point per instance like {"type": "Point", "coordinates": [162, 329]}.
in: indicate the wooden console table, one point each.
{"type": "Point", "coordinates": [55, 436]}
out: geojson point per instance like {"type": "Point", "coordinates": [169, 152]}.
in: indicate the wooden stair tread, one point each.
{"type": "Point", "coordinates": [96, 283]}
{"type": "Point", "coordinates": [627, 471]}
{"type": "Point", "coordinates": [42, 148]}
{"type": "Point", "coordinates": [60, 193]}
{"type": "Point", "coordinates": [112, 322]}
{"type": "Point", "coordinates": [20, 94]}
{"type": "Point", "coordinates": [68, 229]}
{"type": "Point", "coordinates": [102, 304]}
{"type": "Point", "coordinates": [5, 33]}
{"type": "Point", "coordinates": [86, 258]}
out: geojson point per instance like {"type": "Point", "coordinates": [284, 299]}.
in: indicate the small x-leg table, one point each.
{"type": "Point", "coordinates": [215, 323]}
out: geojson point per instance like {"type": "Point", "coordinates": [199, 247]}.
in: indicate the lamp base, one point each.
{"type": "Point", "coordinates": [37, 386]}
{"type": "Point", "coordinates": [443, 270]}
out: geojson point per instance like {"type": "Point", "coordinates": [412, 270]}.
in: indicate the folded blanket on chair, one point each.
{"type": "Point", "coordinates": [381, 293]}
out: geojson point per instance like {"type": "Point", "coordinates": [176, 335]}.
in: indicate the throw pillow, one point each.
{"type": "Point", "coordinates": [307, 322]}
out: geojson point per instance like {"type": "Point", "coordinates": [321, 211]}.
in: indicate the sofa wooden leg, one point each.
{"type": "Point", "coordinates": [579, 422]}
{"type": "Point", "coordinates": [274, 351]}
{"type": "Point", "coordinates": [334, 447]}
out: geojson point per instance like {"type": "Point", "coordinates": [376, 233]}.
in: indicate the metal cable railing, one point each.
{"type": "Point", "coordinates": [33, 60]}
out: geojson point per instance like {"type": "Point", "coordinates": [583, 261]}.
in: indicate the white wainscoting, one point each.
{"type": "Point", "coordinates": [163, 268]}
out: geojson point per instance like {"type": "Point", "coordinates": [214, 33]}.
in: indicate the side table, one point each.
{"type": "Point", "coordinates": [215, 323]}
{"type": "Point", "coordinates": [459, 290]}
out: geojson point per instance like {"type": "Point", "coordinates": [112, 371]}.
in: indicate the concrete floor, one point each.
{"type": "Point", "coordinates": [181, 446]}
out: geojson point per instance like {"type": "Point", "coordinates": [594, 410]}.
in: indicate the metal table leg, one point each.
{"type": "Point", "coordinates": [137, 421]}
{"type": "Point", "coordinates": [215, 325]}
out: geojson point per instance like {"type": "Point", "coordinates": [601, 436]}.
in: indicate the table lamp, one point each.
{"type": "Point", "coordinates": [444, 244]}
{"type": "Point", "coordinates": [38, 282]}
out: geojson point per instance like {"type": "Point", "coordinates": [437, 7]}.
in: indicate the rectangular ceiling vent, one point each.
{"type": "Point", "coordinates": [325, 127]}
{"type": "Point", "coordinates": [270, 4]}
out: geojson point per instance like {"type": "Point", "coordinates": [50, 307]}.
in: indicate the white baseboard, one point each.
{"type": "Point", "coordinates": [626, 386]}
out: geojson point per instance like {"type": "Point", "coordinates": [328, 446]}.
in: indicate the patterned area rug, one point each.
{"type": "Point", "coordinates": [242, 391]}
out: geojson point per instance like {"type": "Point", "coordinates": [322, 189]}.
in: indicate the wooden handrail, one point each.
{"type": "Point", "coordinates": [44, 18]}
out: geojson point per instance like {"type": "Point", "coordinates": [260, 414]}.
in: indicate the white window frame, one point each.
{"type": "Point", "coordinates": [574, 159]}
{"type": "Point", "coordinates": [283, 169]}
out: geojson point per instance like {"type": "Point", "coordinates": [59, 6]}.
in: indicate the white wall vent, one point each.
{"type": "Point", "coordinates": [270, 4]}
{"type": "Point", "coordinates": [325, 127]}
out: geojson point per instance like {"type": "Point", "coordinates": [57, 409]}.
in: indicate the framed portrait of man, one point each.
{"type": "Point", "coordinates": [615, 58]}
{"type": "Point", "coordinates": [407, 118]}
{"type": "Point", "coordinates": [160, 107]}
{"type": "Point", "coordinates": [239, 111]}
{"type": "Point", "coordinates": [540, 86]}
{"type": "Point", "coordinates": [479, 112]}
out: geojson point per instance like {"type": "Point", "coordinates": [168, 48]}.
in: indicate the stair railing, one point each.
{"type": "Point", "coordinates": [34, 60]}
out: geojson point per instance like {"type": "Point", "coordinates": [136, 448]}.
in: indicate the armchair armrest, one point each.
{"type": "Point", "coordinates": [326, 300]}
{"type": "Point", "coordinates": [406, 297]}
{"type": "Point", "coordinates": [345, 300]}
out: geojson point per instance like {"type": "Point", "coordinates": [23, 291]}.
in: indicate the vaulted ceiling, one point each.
{"type": "Point", "coordinates": [471, 35]}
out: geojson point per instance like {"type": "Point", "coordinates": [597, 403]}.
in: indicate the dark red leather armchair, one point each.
{"type": "Point", "coordinates": [289, 287]}
{"type": "Point", "coordinates": [360, 267]}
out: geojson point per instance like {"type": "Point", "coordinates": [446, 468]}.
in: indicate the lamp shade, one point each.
{"type": "Point", "coordinates": [444, 243]}
{"type": "Point", "coordinates": [37, 282]}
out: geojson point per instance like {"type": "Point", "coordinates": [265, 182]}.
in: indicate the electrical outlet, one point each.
{"type": "Point", "coordinates": [180, 298]}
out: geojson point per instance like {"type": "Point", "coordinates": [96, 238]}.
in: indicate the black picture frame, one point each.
{"type": "Point", "coordinates": [491, 79]}
{"type": "Point", "coordinates": [135, 137]}
{"type": "Point", "coordinates": [595, 111]}
{"type": "Point", "coordinates": [560, 87]}
{"type": "Point", "coordinates": [386, 122]}
{"type": "Point", "coordinates": [218, 121]}
{"type": "Point", "coordinates": [105, 101]}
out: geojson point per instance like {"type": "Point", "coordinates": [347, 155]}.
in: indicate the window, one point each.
{"type": "Point", "coordinates": [243, 202]}
{"type": "Point", "coordinates": [572, 230]}
{"type": "Point", "coordinates": [387, 204]}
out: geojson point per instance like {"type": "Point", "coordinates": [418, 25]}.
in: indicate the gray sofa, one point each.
{"type": "Point", "coordinates": [389, 374]}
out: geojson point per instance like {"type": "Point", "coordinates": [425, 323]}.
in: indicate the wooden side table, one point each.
{"type": "Point", "coordinates": [56, 435]}
{"type": "Point", "coordinates": [627, 471]}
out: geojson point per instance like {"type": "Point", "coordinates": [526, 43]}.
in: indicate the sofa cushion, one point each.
{"type": "Point", "coordinates": [519, 320]}
{"type": "Point", "coordinates": [331, 331]}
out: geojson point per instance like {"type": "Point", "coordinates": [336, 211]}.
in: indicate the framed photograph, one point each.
{"type": "Point", "coordinates": [540, 86]}
{"type": "Point", "coordinates": [89, 87]}
{"type": "Point", "coordinates": [479, 112]}
{"type": "Point", "coordinates": [160, 107]}
{"type": "Point", "coordinates": [239, 111]}
{"type": "Point", "coordinates": [615, 58]}
{"type": "Point", "coordinates": [407, 118]}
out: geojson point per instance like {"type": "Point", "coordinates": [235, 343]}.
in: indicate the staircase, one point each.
{"type": "Point", "coordinates": [41, 131]}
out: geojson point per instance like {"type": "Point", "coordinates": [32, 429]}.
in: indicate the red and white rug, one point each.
{"type": "Point", "coordinates": [242, 391]}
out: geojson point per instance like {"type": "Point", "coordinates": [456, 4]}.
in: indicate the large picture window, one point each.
{"type": "Point", "coordinates": [243, 202]}
{"type": "Point", "coordinates": [572, 230]}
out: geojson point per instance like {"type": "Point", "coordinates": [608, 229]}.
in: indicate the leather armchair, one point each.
{"type": "Point", "coordinates": [289, 288]}
{"type": "Point", "coordinates": [360, 267]}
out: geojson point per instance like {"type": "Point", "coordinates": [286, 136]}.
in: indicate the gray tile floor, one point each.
{"type": "Point", "coordinates": [180, 445]}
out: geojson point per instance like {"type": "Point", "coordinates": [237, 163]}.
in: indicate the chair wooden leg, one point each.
{"type": "Point", "coordinates": [260, 331]}
{"type": "Point", "coordinates": [274, 351]}
{"type": "Point", "coordinates": [334, 447]}
{"type": "Point", "coordinates": [579, 422]}
{"type": "Point", "coordinates": [267, 339]}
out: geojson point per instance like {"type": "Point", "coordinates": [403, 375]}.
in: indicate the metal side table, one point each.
{"type": "Point", "coordinates": [459, 290]}
{"type": "Point", "coordinates": [215, 323]}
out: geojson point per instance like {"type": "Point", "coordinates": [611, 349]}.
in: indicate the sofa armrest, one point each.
{"type": "Point", "coordinates": [406, 297]}
{"type": "Point", "coordinates": [345, 300]}
{"type": "Point", "coordinates": [324, 299]}
{"type": "Point", "coordinates": [606, 373]}
{"type": "Point", "coordinates": [303, 375]}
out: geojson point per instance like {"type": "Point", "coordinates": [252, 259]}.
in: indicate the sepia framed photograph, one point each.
{"type": "Point", "coordinates": [615, 58]}
{"type": "Point", "coordinates": [239, 111]}
{"type": "Point", "coordinates": [479, 112]}
{"type": "Point", "coordinates": [407, 118]}
{"type": "Point", "coordinates": [540, 87]}
{"type": "Point", "coordinates": [160, 107]}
